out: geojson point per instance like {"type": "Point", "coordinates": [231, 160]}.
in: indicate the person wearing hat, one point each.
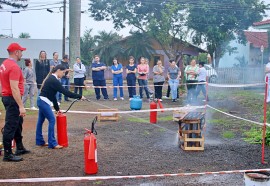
{"type": "Point", "coordinates": [12, 82]}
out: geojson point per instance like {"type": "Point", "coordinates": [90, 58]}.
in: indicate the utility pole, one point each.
{"type": "Point", "coordinates": [74, 30]}
{"type": "Point", "coordinates": [64, 30]}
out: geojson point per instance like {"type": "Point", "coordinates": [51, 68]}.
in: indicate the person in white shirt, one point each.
{"type": "Point", "coordinates": [202, 78]}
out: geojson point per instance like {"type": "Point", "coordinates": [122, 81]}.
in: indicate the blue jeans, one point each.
{"type": "Point", "coordinates": [45, 111]}
{"type": "Point", "coordinates": [131, 82]}
{"type": "Point", "coordinates": [201, 87]}
{"type": "Point", "coordinates": [117, 81]}
{"type": "Point", "coordinates": [174, 86]}
{"type": "Point", "coordinates": [191, 90]}
{"type": "Point", "coordinates": [143, 85]}
{"type": "Point", "coordinates": [65, 83]}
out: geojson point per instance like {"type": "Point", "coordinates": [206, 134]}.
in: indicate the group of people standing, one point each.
{"type": "Point", "coordinates": [140, 73]}
{"type": "Point", "coordinates": [42, 68]}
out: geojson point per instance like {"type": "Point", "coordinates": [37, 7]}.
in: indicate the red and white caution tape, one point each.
{"type": "Point", "coordinates": [186, 108]}
{"type": "Point", "coordinates": [98, 178]}
{"type": "Point", "coordinates": [254, 122]}
{"type": "Point", "coordinates": [235, 85]}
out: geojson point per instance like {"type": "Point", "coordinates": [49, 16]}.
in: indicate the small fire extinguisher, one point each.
{"type": "Point", "coordinates": [62, 137]}
{"type": "Point", "coordinates": [61, 122]}
{"type": "Point", "coordinates": [153, 114]}
{"type": "Point", "coordinates": [90, 150]}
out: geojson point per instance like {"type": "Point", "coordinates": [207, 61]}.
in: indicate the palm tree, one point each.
{"type": "Point", "coordinates": [108, 46]}
{"type": "Point", "coordinates": [24, 35]}
{"type": "Point", "coordinates": [139, 44]}
{"type": "Point", "coordinates": [87, 46]}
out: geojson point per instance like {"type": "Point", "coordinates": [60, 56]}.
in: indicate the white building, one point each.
{"type": "Point", "coordinates": [33, 47]}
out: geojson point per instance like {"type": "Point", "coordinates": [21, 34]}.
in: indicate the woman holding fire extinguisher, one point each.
{"type": "Point", "coordinates": [46, 99]}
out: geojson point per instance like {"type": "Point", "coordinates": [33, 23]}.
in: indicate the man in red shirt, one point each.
{"type": "Point", "coordinates": [12, 90]}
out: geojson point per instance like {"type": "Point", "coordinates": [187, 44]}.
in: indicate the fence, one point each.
{"type": "Point", "coordinates": [245, 75]}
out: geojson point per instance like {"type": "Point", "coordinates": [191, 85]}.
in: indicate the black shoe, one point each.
{"type": "Point", "coordinates": [67, 100]}
{"type": "Point", "coordinates": [12, 157]}
{"type": "Point", "coordinates": [22, 151]}
{"type": "Point", "coordinates": [173, 100]}
{"type": "Point", "coordinates": [106, 98]}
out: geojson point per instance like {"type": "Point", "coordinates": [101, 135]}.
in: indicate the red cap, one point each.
{"type": "Point", "coordinates": [15, 46]}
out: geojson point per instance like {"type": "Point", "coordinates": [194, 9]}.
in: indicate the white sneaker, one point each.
{"type": "Point", "coordinates": [130, 99]}
{"type": "Point", "coordinates": [160, 100]}
{"type": "Point", "coordinates": [122, 98]}
{"type": "Point", "coordinates": [33, 108]}
{"type": "Point", "coordinates": [58, 103]}
{"type": "Point", "coordinates": [115, 99]}
{"type": "Point", "coordinates": [165, 97]}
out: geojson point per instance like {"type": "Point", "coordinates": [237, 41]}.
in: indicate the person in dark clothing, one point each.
{"type": "Point", "coordinates": [65, 78]}
{"type": "Point", "coordinates": [12, 83]}
{"type": "Point", "coordinates": [42, 68]}
{"type": "Point", "coordinates": [131, 70]}
{"type": "Point", "coordinates": [50, 86]}
{"type": "Point", "coordinates": [98, 69]}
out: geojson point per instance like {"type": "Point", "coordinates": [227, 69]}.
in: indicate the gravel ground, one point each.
{"type": "Point", "coordinates": [128, 147]}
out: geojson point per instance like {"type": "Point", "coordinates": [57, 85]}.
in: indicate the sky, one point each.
{"type": "Point", "coordinates": [41, 24]}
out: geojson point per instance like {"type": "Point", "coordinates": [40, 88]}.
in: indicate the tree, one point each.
{"type": "Point", "coordinates": [138, 44]}
{"type": "Point", "coordinates": [13, 3]}
{"type": "Point", "coordinates": [108, 46]}
{"type": "Point", "coordinates": [87, 47]}
{"type": "Point", "coordinates": [218, 22]}
{"type": "Point", "coordinates": [24, 35]}
{"type": "Point", "coordinates": [162, 20]}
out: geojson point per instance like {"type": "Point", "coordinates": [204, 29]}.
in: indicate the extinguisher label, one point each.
{"type": "Point", "coordinates": [96, 155]}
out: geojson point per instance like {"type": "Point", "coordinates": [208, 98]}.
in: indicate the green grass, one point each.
{"type": "Point", "coordinates": [140, 120]}
{"type": "Point", "coordinates": [253, 136]}
{"type": "Point", "coordinates": [228, 134]}
{"type": "Point", "coordinates": [98, 182]}
{"type": "Point", "coordinates": [220, 121]}
{"type": "Point", "coordinates": [146, 132]}
{"type": "Point", "coordinates": [165, 118]}
{"type": "Point", "coordinates": [161, 130]}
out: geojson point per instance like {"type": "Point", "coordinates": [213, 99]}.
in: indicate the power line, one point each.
{"type": "Point", "coordinates": [24, 10]}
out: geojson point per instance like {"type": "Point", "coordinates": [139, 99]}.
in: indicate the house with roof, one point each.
{"type": "Point", "coordinates": [251, 52]}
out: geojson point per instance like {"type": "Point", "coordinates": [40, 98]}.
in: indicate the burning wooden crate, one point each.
{"type": "Point", "coordinates": [108, 115]}
{"type": "Point", "coordinates": [190, 133]}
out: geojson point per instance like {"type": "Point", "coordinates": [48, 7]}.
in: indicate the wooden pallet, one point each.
{"type": "Point", "coordinates": [191, 138]}
{"type": "Point", "coordinates": [179, 115]}
{"type": "Point", "coordinates": [107, 115]}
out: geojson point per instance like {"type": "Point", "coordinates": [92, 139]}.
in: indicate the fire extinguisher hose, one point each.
{"type": "Point", "coordinates": [75, 100]}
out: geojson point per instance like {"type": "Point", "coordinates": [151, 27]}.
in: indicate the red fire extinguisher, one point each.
{"type": "Point", "coordinates": [90, 150]}
{"type": "Point", "coordinates": [62, 137]}
{"type": "Point", "coordinates": [153, 114]}
{"type": "Point", "coordinates": [61, 122]}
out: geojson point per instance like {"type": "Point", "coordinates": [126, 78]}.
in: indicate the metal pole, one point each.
{"type": "Point", "coordinates": [64, 30]}
{"type": "Point", "coordinates": [264, 119]}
